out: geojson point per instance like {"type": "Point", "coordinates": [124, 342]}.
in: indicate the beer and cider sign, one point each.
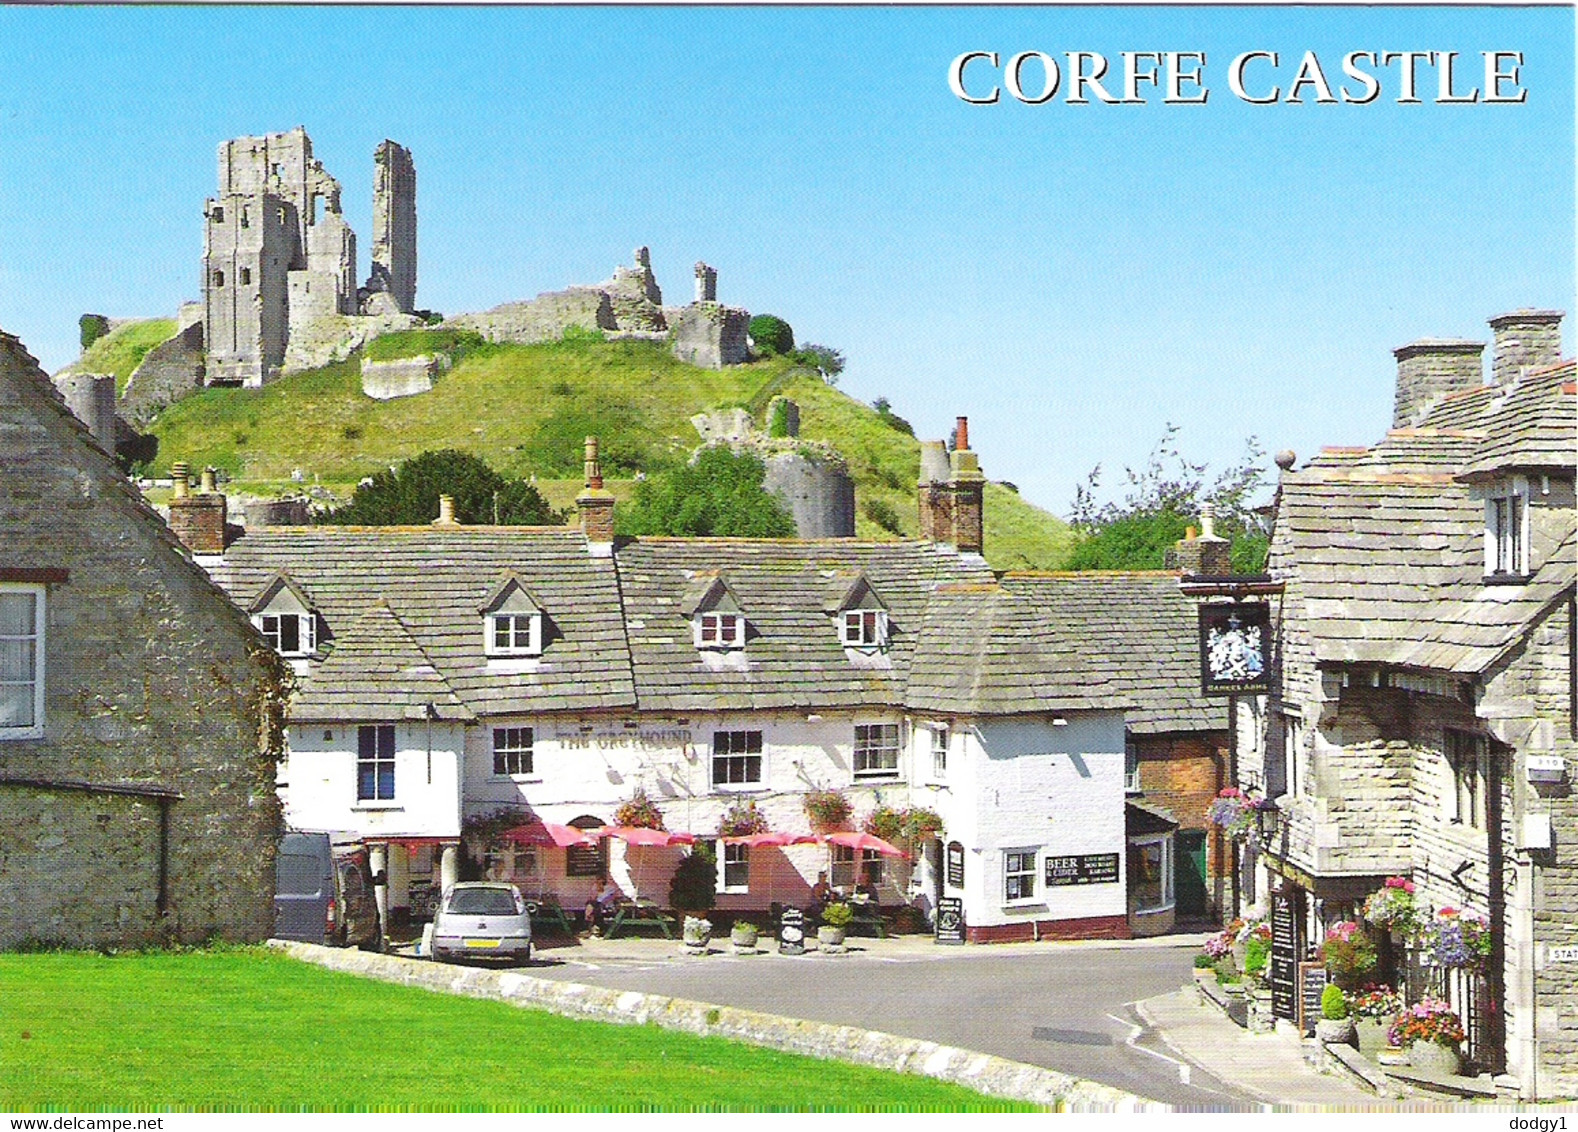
{"type": "Point", "coordinates": [1082, 868]}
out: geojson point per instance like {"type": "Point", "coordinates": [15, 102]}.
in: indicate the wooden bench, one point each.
{"type": "Point", "coordinates": [640, 916]}
{"type": "Point", "coordinates": [548, 914]}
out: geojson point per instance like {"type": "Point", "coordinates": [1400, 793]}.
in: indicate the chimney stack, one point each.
{"type": "Point", "coordinates": [967, 487]}
{"type": "Point", "coordinates": [1428, 370]}
{"type": "Point", "coordinates": [931, 492]}
{"type": "Point", "coordinates": [446, 513]}
{"type": "Point", "coordinates": [596, 504]}
{"type": "Point", "coordinates": [1207, 555]}
{"type": "Point", "coordinates": [1525, 341]}
{"type": "Point", "coordinates": [197, 520]}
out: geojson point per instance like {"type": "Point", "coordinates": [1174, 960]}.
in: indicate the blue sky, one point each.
{"type": "Point", "coordinates": [1071, 277]}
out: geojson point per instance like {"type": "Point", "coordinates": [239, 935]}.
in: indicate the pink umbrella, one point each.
{"type": "Point", "coordinates": [855, 840]}
{"type": "Point", "coordinates": [547, 833]}
{"type": "Point", "coordinates": [772, 839]}
{"type": "Point", "coordinates": [640, 836]}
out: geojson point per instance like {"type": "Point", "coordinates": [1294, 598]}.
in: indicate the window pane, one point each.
{"type": "Point", "coordinates": [386, 741]}
{"type": "Point", "coordinates": [17, 661]}
{"type": "Point", "coordinates": [17, 615]}
{"type": "Point", "coordinates": [16, 705]}
{"type": "Point", "coordinates": [385, 780]}
{"type": "Point", "coordinates": [364, 780]}
{"type": "Point", "coordinates": [290, 634]}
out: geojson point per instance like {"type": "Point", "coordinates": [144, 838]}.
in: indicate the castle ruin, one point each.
{"type": "Point", "coordinates": [278, 254]}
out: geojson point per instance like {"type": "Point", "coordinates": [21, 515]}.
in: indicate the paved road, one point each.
{"type": "Point", "coordinates": [1062, 1007]}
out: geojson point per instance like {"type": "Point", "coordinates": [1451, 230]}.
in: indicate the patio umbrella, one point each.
{"type": "Point", "coordinates": [859, 841]}
{"type": "Point", "coordinates": [640, 836]}
{"type": "Point", "coordinates": [772, 839]}
{"type": "Point", "coordinates": [548, 834]}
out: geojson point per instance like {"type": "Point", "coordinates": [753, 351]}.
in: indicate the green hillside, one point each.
{"type": "Point", "coordinates": [526, 409]}
{"type": "Point", "coordinates": [122, 350]}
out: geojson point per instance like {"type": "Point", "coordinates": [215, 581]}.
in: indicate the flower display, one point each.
{"type": "Point", "coordinates": [742, 819]}
{"type": "Point", "coordinates": [1392, 907]}
{"type": "Point", "coordinates": [1347, 951]}
{"type": "Point", "coordinates": [640, 811]}
{"type": "Point", "coordinates": [1456, 939]}
{"type": "Point", "coordinates": [1220, 946]}
{"type": "Point", "coordinates": [1430, 1020]}
{"type": "Point", "coordinates": [1232, 811]}
{"type": "Point", "coordinates": [1375, 1001]}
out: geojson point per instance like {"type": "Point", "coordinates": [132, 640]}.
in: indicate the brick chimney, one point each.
{"type": "Point", "coordinates": [197, 520]}
{"type": "Point", "coordinates": [931, 492]}
{"type": "Point", "coordinates": [966, 488]}
{"type": "Point", "coordinates": [1525, 341]}
{"type": "Point", "coordinates": [596, 504]}
{"type": "Point", "coordinates": [1428, 370]}
{"type": "Point", "coordinates": [1207, 555]}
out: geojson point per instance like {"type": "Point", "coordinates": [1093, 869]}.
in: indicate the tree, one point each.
{"type": "Point", "coordinates": [408, 495]}
{"type": "Point", "coordinates": [1163, 500]}
{"type": "Point", "coordinates": [824, 359]}
{"type": "Point", "coordinates": [771, 335]}
{"type": "Point", "coordinates": [718, 493]}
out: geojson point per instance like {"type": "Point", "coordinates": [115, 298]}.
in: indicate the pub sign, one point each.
{"type": "Point", "coordinates": [1235, 644]}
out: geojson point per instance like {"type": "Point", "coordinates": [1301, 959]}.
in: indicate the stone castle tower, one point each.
{"type": "Point", "coordinates": [278, 253]}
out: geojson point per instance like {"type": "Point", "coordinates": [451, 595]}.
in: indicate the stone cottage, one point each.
{"type": "Point", "coordinates": [139, 711]}
{"type": "Point", "coordinates": [1421, 722]}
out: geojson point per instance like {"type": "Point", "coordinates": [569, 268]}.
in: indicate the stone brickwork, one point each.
{"type": "Point", "coordinates": [1525, 341]}
{"type": "Point", "coordinates": [394, 227]}
{"type": "Point", "coordinates": [153, 681]}
{"type": "Point", "coordinates": [819, 493]}
{"type": "Point", "coordinates": [543, 319]}
{"type": "Point", "coordinates": [1182, 774]}
{"type": "Point", "coordinates": [1428, 370]}
{"type": "Point", "coordinates": [335, 337]}
{"type": "Point", "coordinates": [91, 397]}
{"type": "Point", "coordinates": [403, 377]}
{"type": "Point", "coordinates": [171, 370]}
{"type": "Point", "coordinates": [711, 335]}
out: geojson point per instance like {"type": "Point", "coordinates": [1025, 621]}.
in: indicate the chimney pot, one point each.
{"type": "Point", "coordinates": [1207, 520]}
{"type": "Point", "coordinates": [594, 469]}
{"type": "Point", "coordinates": [179, 473]}
{"type": "Point", "coordinates": [446, 512]}
{"type": "Point", "coordinates": [1525, 340]}
{"type": "Point", "coordinates": [961, 435]}
{"type": "Point", "coordinates": [210, 481]}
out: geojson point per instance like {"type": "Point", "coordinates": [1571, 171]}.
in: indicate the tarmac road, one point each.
{"type": "Point", "coordinates": [1061, 1006]}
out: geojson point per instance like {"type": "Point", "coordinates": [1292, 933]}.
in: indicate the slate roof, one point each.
{"type": "Point", "coordinates": [1141, 632]}
{"type": "Point", "coordinates": [1387, 542]}
{"type": "Point", "coordinates": [377, 671]}
{"type": "Point", "coordinates": [793, 657]}
{"type": "Point", "coordinates": [435, 583]}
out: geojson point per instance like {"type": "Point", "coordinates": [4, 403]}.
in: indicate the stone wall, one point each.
{"type": "Point", "coordinates": [543, 319]}
{"type": "Point", "coordinates": [710, 335]}
{"type": "Point", "coordinates": [170, 371]}
{"type": "Point", "coordinates": [153, 679]}
{"type": "Point", "coordinates": [1182, 773]}
{"type": "Point", "coordinates": [403, 377]}
{"type": "Point", "coordinates": [819, 493]}
{"type": "Point", "coordinates": [333, 338]}
{"type": "Point", "coordinates": [91, 398]}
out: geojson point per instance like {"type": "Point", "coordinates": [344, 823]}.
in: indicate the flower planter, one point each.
{"type": "Point", "coordinates": [743, 937]}
{"type": "Point", "coordinates": [1335, 1031]}
{"type": "Point", "coordinates": [696, 934]}
{"type": "Point", "coordinates": [1372, 1035]}
{"type": "Point", "coordinates": [831, 938]}
{"type": "Point", "coordinates": [1433, 1057]}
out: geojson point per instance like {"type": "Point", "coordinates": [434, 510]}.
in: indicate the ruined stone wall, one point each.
{"type": "Point", "coordinates": [710, 335]}
{"type": "Point", "coordinates": [152, 678]}
{"type": "Point", "coordinates": [819, 493]}
{"type": "Point", "coordinates": [171, 370]}
{"type": "Point", "coordinates": [335, 337]}
{"type": "Point", "coordinates": [249, 245]}
{"type": "Point", "coordinates": [543, 319]}
{"type": "Point", "coordinates": [394, 226]}
{"type": "Point", "coordinates": [403, 377]}
{"type": "Point", "coordinates": [91, 398]}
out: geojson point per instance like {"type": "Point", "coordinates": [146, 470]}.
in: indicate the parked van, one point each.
{"type": "Point", "coordinates": [323, 892]}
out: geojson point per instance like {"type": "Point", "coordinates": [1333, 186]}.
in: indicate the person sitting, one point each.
{"type": "Point", "coordinates": [601, 906]}
{"type": "Point", "coordinates": [821, 893]}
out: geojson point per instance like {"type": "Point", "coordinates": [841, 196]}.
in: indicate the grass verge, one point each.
{"type": "Point", "coordinates": [249, 1030]}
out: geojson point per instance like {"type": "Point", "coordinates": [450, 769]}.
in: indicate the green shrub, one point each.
{"type": "Point", "coordinates": [93, 327]}
{"type": "Point", "coordinates": [720, 494]}
{"type": "Point", "coordinates": [626, 443]}
{"type": "Point", "coordinates": [1333, 1003]}
{"type": "Point", "coordinates": [1226, 973]}
{"type": "Point", "coordinates": [577, 333]}
{"type": "Point", "coordinates": [838, 915]}
{"type": "Point", "coordinates": [1256, 952]}
{"type": "Point", "coordinates": [694, 887]}
{"type": "Point", "coordinates": [408, 495]}
{"type": "Point", "coordinates": [880, 513]}
{"type": "Point", "coordinates": [1203, 962]}
{"type": "Point", "coordinates": [778, 423]}
{"type": "Point", "coordinates": [771, 335]}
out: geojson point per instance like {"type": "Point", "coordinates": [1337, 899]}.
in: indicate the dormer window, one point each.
{"type": "Point", "coordinates": [289, 634]}
{"type": "Point", "coordinates": [512, 621]}
{"type": "Point", "coordinates": [865, 628]}
{"type": "Point", "coordinates": [1507, 530]}
{"type": "Point", "coordinates": [720, 630]}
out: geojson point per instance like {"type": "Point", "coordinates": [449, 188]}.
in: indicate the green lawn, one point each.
{"type": "Point", "coordinates": [122, 350]}
{"type": "Point", "coordinates": [251, 1030]}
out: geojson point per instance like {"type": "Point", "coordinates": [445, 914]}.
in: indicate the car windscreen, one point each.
{"type": "Point", "coordinates": [481, 902]}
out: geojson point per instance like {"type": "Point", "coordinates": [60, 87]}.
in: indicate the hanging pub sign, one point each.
{"type": "Point", "coordinates": [1084, 868]}
{"type": "Point", "coordinates": [1235, 642]}
{"type": "Point", "coordinates": [955, 865]}
{"type": "Point", "coordinates": [950, 920]}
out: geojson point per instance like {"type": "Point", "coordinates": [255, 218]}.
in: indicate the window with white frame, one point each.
{"type": "Point", "coordinates": [1151, 873]}
{"type": "Point", "coordinates": [734, 868]}
{"type": "Point", "coordinates": [1468, 758]}
{"type": "Point", "coordinates": [1019, 875]}
{"type": "Point", "coordinates": [737, 759]}
{"type": "Point", "coordinates": [865, 628]}
{"type": "Point", "coordinates": [514, 634]}
{"type": "Point", "coordinates": [852, 870]}
{"type": "Point", "coordinates": [21, 661]}
{"type": "Point", "coordinates": [511, 751]}
{"type": "Point", "coordinates": [289, 634]}
{"type": "Point", "coordinates": [1507, 530]}
{"type": "Point", "coordinates": [876, 750]}
{"type": "Point", "coordinates": [939, 751]}
{"type": "Point", "coordinates": [375, 763]}
{"type": "Point", "coordinates": [1131, 767]}
{"type": "Point", "coordinates": [720, 630]}
{"type": "Point", "coordinates": [1292, 745]}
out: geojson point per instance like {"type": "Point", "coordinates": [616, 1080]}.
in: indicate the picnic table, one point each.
{"type": "Point", "coordinates": [545, 911]}
{"type": "Point", "coordinates": [640, 914]}
{"type": "Point", "coordinates": [868, 914]}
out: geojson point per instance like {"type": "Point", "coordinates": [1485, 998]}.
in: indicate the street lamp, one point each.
{"type": "Point", "coordinates": [1268, 822]}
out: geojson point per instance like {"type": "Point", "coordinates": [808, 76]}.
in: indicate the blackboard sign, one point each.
{"type": "Point", "coordinates": [1283, 973]}
{"type": "Point", "coordinates": [1312, 983]}
{"type": "Point", "coordinates": [955, 869]}
{"type": "Point", "coordinates": [1086, 868]}
{"type": "Point", "coordinates": [950, 920]}
{"type": "Point", "coordinates": [791, 932]}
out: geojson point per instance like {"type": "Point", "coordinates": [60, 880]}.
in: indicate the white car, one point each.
{"type": "Point", "coordinates": [482, 920]}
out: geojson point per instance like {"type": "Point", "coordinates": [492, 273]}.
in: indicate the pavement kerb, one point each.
{"type": "Point", "coordinates": [984, 1073]}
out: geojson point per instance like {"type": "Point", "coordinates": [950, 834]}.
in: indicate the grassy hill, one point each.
{"type": "Point", "coordinates": [526, 410]}
{"type": "Point", "coordinates": [122, 350]}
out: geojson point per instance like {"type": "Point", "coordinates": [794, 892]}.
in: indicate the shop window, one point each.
{"type": "Point", "coordinates": [512, 751]}
{"type": "Point", "coordinates": [1151, 873]}
{"type": "Point", "coordinates": [1468, 758]}
{"type": "Point", "coordinates": [876, 750]}
{"type": "Point", "coordinates": [21, 661]}
{"type": "Point", "coordinates": [375, 763]}
{"type": "Point", "coordinates": [1019, 875]}
{"type": "Point", "coordinates": [736, 759]}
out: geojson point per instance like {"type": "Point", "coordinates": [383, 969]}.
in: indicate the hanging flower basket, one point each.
{"type": "Point", "coordinates": [1233, 812]}
{"type": "Point", "coordinates": [827, 810]}
{"type": "Point", "coordinates": [639, 811]}
{"type": "Point", "coordinates": [1348, 953]}
{"type": "Point", "coordinates": [741, 820]}
{"type": "Point", "coordinates": [1392, 908]}
{"type": "Point", "coordinates": [1456, 939]}
{"type": "Point", "coordinates": [885, 822]}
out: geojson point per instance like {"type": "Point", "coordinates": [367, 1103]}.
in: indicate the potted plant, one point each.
{"type": "Point", "coordinates": [742, 819]}
{"type": "Point", "coordinates": [743, 936]}
{"type": "Point", "coordinates": [827, 810]}
{"type": "Point", "coordinates": [694, 888]}
{"type": "Point", "coordinates": [1335, 1026]}
{"type": "Point", "coordinates": [696, 934]}
{"type": "Point", "coordinates": [1392, 908]}
{"type": "Point", "coordinates": [1374, 1009]}
{"type": "Point", "coordinates": [1348, 954]}
{"type": "Point", "coordinates": [1432, 1034]}
{"type": "Point", "coordinates": [639, 811]}
{"type": "Point", "coordinates": [835, 922]}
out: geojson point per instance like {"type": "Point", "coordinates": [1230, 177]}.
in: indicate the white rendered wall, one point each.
{"type": "Point", "coordinates": [321, 771]}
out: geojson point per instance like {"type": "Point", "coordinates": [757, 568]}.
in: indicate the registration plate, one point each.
{"type": "Point", "coordinates": [482, 943]}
